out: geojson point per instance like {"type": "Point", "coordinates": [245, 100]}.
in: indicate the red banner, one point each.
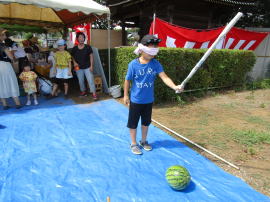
{"type": "Point", "coordinates": [175, 36]}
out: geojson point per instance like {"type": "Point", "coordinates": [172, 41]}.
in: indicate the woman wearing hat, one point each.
{"type": "Point", "coordinates": [8, 81]}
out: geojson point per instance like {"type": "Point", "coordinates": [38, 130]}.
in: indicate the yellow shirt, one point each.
{"type": "Point", "coordinates": [29, 81]}
{"type": "Point", "coordinates": [62, 59]}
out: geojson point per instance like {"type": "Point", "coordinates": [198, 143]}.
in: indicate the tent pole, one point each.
{"type": "Point", "coordinates": [109, 48]}
{"type": "Point", "coordinates": [46, 35]}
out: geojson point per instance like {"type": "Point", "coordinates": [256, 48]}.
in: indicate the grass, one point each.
{"type": "Point", "coordinates": [257, 120]}
{"type": "Point", "coordinates": [250, 138]}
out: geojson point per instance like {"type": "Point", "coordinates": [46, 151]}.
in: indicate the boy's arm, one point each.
{"type": "Point", "coordinates": [126, 89]}
{"type": "Point", "coordinates": [169, 82]}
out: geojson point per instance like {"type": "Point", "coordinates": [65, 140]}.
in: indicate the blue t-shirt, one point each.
{"type": "Point", "coordinates": [143, 77]}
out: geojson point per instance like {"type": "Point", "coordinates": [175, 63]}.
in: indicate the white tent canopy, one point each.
{"type": "Point", "coordinates": [85, 6]}
{"type": "Point", "coordinates": [41, 13]}
{"type": "Point", "coordinates": [51, 13]}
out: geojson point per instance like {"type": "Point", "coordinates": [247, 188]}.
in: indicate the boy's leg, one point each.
{"type": "Point", "coordinates": [133, 133]}
{"type": "Point", "coordinates": [133, 119]}
{"type": "Point", "coordinates": [144, 132]}
{"type": "Point", "coordinates": [80, 75]}
{"type": "Point", "coordinates": [146, 120]}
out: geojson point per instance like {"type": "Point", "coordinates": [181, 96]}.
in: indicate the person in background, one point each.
{"type": "Point", "coordinates": [20, 55]}
{"type": "Point", "coordinates": [29, 78]}
{"type": "Point", "coordinates": [52, 74]}
{"type": "Point", "coordinates": [84, 65]}
{"type": "Point", "coordinates": [63, 68]}
{"type": "Point", "coordinates": [8, 81]}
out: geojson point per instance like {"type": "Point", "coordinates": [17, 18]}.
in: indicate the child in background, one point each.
{"type": "Point", "coordinates": [28, 78]}
{"type": "Point", "coordinates": [63, 68]}
{"type": "Point", "coordinates": [52, 75]}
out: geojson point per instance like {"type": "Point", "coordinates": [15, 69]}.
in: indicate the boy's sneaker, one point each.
{"type": "Point", "coordinates": [135, 149]}
{"type": "Point", "coordinates": [28, 102]}
{"type": "Point", "coordinates": [95, 97]}
{"type": "Point", "coordinates": [35, 102]}
{"type": "Point", "coordinates": [82, 94]}
{"type": "Point", "coordinates": [146, 146]}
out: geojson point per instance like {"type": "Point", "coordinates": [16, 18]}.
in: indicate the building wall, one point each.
{"type": "Point", "coordinates": [261, 69]}
{"type": "Point", "coordinates": [99, 38]}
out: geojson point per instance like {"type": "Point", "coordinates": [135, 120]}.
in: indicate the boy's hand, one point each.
{"type": "Point", "coordinates": [126, 100]}
{"type": "Point", "coordinates": [179, 89]}
{"type": "Point", "coordinates": [69, 73]}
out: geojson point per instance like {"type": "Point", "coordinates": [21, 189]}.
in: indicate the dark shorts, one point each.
{"type": "Point", "coordinates": [137, 111]}
{"type": "Point", "coordinates": [53, 79]}
{"type": "Point", "coordinates": [61, 81]}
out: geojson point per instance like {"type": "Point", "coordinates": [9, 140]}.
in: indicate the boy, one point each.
{"type": "Point", "coordinates": [142, 72]}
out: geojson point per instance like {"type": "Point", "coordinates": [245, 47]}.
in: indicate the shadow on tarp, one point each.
{"type": "Point", "coordinates": [43, 103]}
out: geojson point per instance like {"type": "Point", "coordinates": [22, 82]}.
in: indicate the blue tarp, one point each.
{"type": "Point", "coordinates": [59, 151]}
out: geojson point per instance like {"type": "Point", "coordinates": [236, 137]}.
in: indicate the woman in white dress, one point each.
{"type": "Point", "coordinates": [8, 80]}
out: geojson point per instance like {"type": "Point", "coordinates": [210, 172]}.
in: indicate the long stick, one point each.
{"type": "Point", "coordinates": [154, 23]}
{"type": "Point", "coordinates": [209, 51]}
{"type": "Point", "coordinates": [202, 148]}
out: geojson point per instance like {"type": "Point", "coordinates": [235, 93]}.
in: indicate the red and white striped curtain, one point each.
{"type": "Point", "coordinates": [175, 36]}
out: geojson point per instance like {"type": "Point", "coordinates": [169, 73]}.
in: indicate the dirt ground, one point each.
{"type": "Point", "coordinates": [214, 122]}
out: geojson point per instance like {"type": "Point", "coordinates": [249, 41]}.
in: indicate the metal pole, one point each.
{"type": "Point", "coordinates": [202, 148]}
{"type": "Point", "coordinates": [209, 51]}
{"type": "Point", "coordinates": [109, 48]}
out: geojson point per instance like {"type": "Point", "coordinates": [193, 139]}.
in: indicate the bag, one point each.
{"type": "Point", "coordinates": [45, 85]}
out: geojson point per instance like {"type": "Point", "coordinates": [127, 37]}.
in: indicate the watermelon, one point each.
{"type": "Point", "coordinates": [178, 177]}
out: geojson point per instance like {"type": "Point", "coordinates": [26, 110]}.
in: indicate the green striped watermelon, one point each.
{"type": "Point", "coordinates": [178, 177]}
